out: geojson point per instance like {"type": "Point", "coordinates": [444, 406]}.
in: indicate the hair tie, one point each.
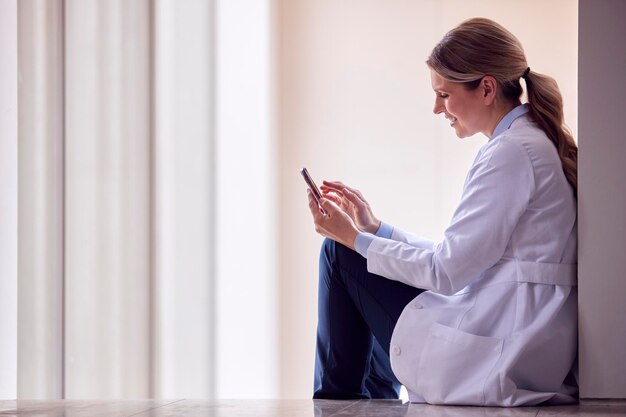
{"type": "Point", "coordinates": [526, 72]}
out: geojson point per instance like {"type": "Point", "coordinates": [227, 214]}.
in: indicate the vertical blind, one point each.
{"type": "Point", "coordinates": [131, 269]}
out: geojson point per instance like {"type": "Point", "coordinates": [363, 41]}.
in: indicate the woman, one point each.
{"type": "Point", "coordinates": [488, 315]}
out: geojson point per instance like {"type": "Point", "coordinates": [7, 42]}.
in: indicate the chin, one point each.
{"type": "Point", "coordinates": [461, 134]}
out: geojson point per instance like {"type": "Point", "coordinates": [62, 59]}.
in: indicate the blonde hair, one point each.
{"type": "Point", "coordinates": [479, 47]}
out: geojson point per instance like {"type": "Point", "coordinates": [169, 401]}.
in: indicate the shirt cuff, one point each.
{"type": "Point", "coordinates": [384, 230]}
{"type": "Point", "coordinates": [362, 243]}
{"type": "Point", "coordinates": [364, 240]}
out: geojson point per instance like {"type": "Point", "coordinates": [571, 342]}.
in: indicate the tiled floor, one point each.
{"type": "Point", "coordinates": [291, 408]}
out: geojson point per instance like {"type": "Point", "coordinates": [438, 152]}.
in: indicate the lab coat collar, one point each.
{"type": "Point", "coordinates": [509, 118]}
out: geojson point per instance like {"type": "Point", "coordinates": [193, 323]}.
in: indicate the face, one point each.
{"type": "Point", "coordinates": [462, 107]}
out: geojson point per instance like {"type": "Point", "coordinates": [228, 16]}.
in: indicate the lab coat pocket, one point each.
{"type": "Point", "coordinates": [455, 365]}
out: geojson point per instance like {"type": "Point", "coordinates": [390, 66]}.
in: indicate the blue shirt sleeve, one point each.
{"type": "Point", "coordinates": [384, 230]}
{"type": "Point", "coordinates": [364, 240]}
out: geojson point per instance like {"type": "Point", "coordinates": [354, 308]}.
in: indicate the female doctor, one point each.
{"type": "Point", "coordinates": [488, 315]}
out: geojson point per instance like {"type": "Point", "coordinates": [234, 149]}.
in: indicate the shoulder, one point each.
{"type": "Point", "coordinates": [506, 159]}
{"type": "Point", "coordinates": [524, 144]}
{"type": "Point", "coordinates": [504, 151]}
{"type": "Point", "coordinates": [528, 138]}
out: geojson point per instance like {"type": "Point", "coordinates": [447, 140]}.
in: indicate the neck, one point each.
{"type": "Point", "coordinates": [497, 115]}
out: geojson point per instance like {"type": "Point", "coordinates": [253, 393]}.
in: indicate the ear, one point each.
{"type": "Point", "coordinates": [489, 88]}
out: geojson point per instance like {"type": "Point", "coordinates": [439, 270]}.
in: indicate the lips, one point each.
{"type": "Point", "coordinates": [452, 120]}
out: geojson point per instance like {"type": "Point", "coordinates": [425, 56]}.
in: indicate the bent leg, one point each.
{"type": "Point", "coordinates": [357, 312]}
{"type": "Point", "coordinates": [381, 382]}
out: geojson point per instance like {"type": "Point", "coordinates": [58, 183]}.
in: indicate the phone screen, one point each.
{"type": "Point", "coordinates": [309, 181]}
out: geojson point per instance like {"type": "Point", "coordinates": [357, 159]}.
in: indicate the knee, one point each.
{"type": "Point", "coordinates": [328, 262]}
{"type": "Point", "coordinates": [334, 254]}
{"type": "Point", "coordinates": [328, 245]}
{"type": "Point", "coordinates": [332, 251]}
{"type": "Point", "coordinates": [335, 259]}
{"type": "Point", "coordinates": [327, 252]}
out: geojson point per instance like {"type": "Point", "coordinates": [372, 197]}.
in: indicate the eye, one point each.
{"type": "Point", "coordinates": [442, 95]}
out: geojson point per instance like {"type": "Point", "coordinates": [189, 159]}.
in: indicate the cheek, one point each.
{"type": "Point", "coordinates": [453, 107]}
{"type": "Point", "coordinates": [458, 109]}
{"type": "Point", "coordinates": [447, 105]}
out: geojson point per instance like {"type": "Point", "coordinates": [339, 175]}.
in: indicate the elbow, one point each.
{"type": "Point", "coordinates": [443, 283]}
{"type": "Point", "coordinates": [445, 290]}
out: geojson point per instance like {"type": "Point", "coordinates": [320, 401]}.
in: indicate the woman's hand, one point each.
{"type": "Point", "coordinates": [352, 202]}
{"type": "Point", "coordinates": [335, 223]}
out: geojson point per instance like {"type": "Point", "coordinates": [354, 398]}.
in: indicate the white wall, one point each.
{"type": "Point", "coordinates": [356, 105]}
{"type": "Point", "coordinates": [8, 198]}
{"type": "Point", "coordinates": [602, 200]}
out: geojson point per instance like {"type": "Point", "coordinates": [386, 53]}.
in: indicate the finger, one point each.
{"type": "Point", "coordinates": [329, 206]}
{"type": "Point", "coordinates": [316, 209]}
{"type": "Point", "coordinates": [333, 193]}
{"type": "Point", "coordinates": [336, 194]}
{"type": "Point", "coordinates": [313, 207]}
{"type": "Point", "coordinates": [338, 185]}
{"type": "Point", "coordinates": [354, 198]}
{"type": "Point", "coordinates": [312, 202]}
{"type": "Point", "coordinates": [332, 197]}
{"type": "Point", "coordinates": [333, 185]}
{"type": "Point", "coordinates": [311, 196]}
{"type": "Point", "coordinates": [355, 191]}
{"type": "Point", "coordinates": [327, 189]}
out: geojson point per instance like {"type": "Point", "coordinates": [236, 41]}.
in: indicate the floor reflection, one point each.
{"type": "Point", "coordinates": [290, 408]}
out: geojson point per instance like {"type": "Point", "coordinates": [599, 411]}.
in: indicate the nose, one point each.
{"type": "Point", "coordinates": [439, 107]}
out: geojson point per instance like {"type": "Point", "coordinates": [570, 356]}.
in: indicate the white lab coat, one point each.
{"type": "Point", "coordinates": [498, 324]}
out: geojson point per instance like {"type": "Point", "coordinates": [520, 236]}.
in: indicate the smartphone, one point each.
{"type": "Point", "coordinates": [314, 190]}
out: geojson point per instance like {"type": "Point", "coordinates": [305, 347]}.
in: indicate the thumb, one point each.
{"type": "Point", "coordinates": [327, 206]}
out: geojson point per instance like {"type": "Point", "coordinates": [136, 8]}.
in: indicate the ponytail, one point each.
{"type": "Point", "coordinates": [479, 47]}
{"type": "Point", "coordinates": [546, 109]}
